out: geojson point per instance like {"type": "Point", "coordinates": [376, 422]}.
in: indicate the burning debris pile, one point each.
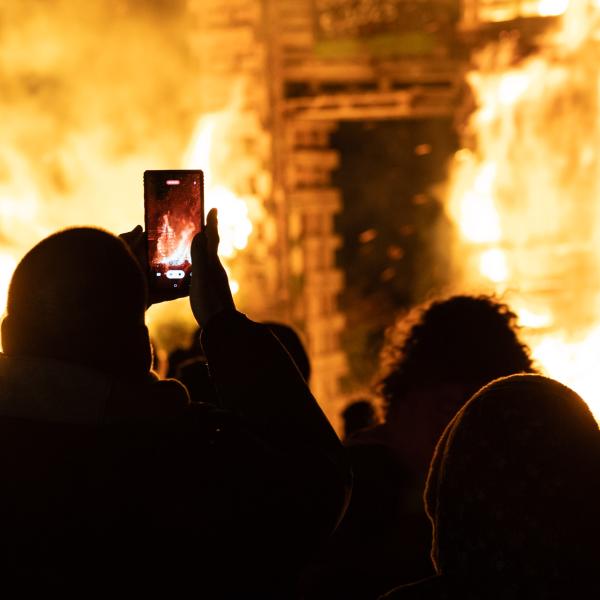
{"type": "Point", "coordinates": [525, 191]}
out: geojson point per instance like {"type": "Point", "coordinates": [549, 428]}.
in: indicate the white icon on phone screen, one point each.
{"type": "Point", "coordinates": [175, 274]}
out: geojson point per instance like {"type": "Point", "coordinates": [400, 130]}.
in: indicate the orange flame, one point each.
{"type": "Point", "coordinates": [212, 149]}
{"type": "Point", "coordinates": [78, 134]}
{"type": "Point", "coordinates": [174, 252]}
{"type": "Point", "coordinates": [525, 196]}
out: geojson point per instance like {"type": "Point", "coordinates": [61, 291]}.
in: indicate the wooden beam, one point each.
{"type": "Point", "coordinates": [415, 103]}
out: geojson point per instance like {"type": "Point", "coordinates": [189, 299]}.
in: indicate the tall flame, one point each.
{"type": "Point", "coordinates": [77, 134]}
{"type": "Point", "coordinates": [173, 251]}
{"type": "Point", "coordinates": [212, 150]}
{"type": "Point", "coordinates": [526, 194]}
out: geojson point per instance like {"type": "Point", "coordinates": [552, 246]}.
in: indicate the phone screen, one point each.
{"type": "Point", "coordinates": [174, 214]}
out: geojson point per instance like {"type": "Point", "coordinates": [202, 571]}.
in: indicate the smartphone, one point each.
{"type": "Point", "coordinates": [174, 214]}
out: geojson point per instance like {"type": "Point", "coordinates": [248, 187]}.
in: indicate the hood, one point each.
{"type": "Point", "coordinates": [56, 391]}
{"type": "Point", "coordinates": [513, 488]}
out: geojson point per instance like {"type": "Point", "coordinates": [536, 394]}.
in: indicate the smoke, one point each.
{"type": "Point", "coordinates": [93, 93]}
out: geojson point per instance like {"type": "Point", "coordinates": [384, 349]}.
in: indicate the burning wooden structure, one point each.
{"type": "Point", "coordinates": [477, 13]}
{"type": "Point", "coordinates": [267, 83]}
{"type": "Point", "coordinates": [309, 65]}
{"type": "Point", "coordinates": [523, 189]}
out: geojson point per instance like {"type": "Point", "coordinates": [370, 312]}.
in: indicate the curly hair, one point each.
{"type": "Point", "coordinates": [466, 340]}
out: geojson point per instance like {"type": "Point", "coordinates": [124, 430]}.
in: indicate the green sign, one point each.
{"type": "Point", "coordinates": [346, 28]}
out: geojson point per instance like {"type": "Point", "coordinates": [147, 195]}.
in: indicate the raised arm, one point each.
{"type": "Point", "coordinates": [255, 376]}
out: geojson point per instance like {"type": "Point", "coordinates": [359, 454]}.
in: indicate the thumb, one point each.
{"type": "Point", "coordinates": [135, 241]}
{"type": "Point", "coordinates": [133, 236]}
{"type": "Point", "coordinates": [212, 233]}
{"type": "Point", "coordinates": [199, 250]}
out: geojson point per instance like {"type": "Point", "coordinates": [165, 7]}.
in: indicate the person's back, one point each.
{"type": "Point", "coordinates": [111, 478]}
{"type": "Point", "coordinates": [66, 472]}
{"type": "Point", "coordinates": [513, 494]}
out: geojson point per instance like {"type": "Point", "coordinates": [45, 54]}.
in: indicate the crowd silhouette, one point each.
{"type": "Point", "coordinates": [226, 480]}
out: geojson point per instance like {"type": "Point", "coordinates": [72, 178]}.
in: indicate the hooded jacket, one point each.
{"type": "Point", "coordinates": [513, 493]}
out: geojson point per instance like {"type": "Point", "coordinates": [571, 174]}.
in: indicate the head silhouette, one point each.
{"type": "Point", "coordinates": [79, 296]}
{"type": "Point", "coordinates": [513, 491]}
{"type": "Point", "coordinates": [358, 415]}
{"type": "Point", "coordinates": [438, 358]}
{"type": "Point", "coordinates": [463, 340]}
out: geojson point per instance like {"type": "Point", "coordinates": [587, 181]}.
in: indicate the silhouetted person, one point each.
{"type": "Point", "coordinates": [179, 356]}
{"type": "Point", "coordinates": [357, 416]}
{"type": "Point", "coordinates": [111, 478]}
{"type": "Point", "coordinates": [513, 495]}
{"type": "Point", "coordinates": [156, 357]}
{"type": "Point", "coordinates": [189, 366]}
{"type": "Point", "coordinates": [435, 361]}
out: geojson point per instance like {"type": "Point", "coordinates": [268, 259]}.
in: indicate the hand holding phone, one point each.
{"type": "Point", "coordinates": [210, 293]}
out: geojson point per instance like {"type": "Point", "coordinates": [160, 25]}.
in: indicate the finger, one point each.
{"type": "Point", "coordinates": [134, 235]}
{"type": "Point", "coordinates": [212, 232]}
{"type": "Point", "coordinates": [198, 250]}
{"type": "Point", "coordinates": [212, 217]}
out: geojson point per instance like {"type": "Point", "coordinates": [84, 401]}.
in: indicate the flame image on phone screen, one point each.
{"type": "Point", "coordinates": [174, 214]}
